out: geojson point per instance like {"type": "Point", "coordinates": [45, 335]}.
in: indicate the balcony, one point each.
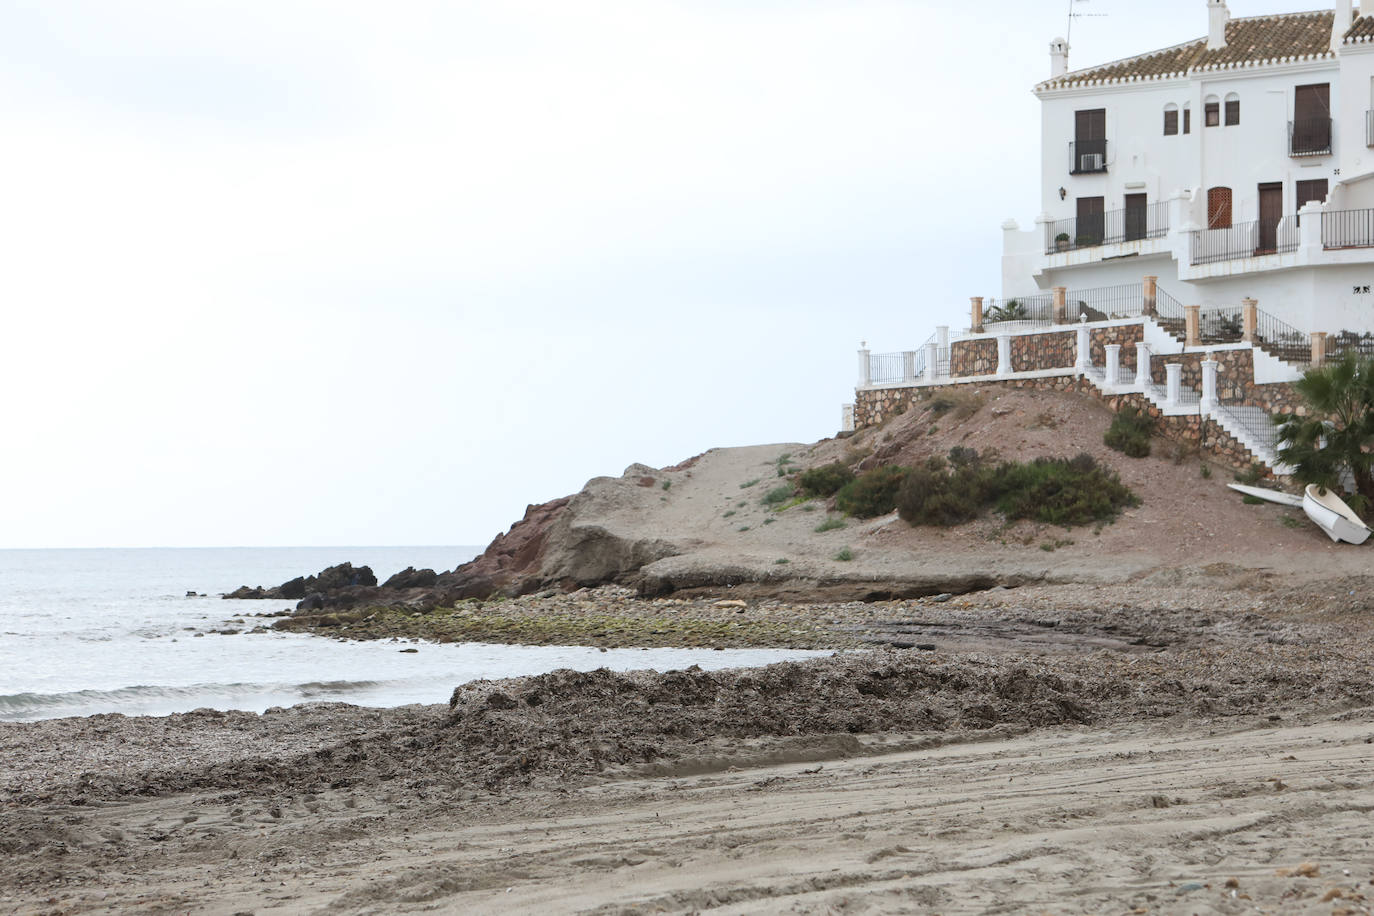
{"type": "Point", "coordinates": [1087, 157]}
{"type": "Point", "coordinates": [1347, 229]}
{"type": "Point", "coordinates": [1129, 225]}
{"type": "Point", "coordinates": [1309, 137]}
{"type": "Point", "coordinates": [1244, 240]}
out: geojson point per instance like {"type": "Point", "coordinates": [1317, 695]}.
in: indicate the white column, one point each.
{"type": "Point", "coordinates": [1142, 364]}
{"type": "Point", "coordinates": [908, 365]}
{"type": "Point", "coordinates": [1085, 355]}
{"type": "Point", "coordinates": [1310, 232]}
{"type": "Point", "coordinates": [942, 335]}
{"type": "Point", "coordinates": [1174, 375]}
{"type": "Point", "coordinates": [1209, 383]}
{"type": "Point", "coordinates": [847, 418]}
{"type": "Point", "coordinates": [864, 375]}
{"type": "Point", "coordinates": [1004, 354]}
{"type": "Point", "coordinates": [1113, 365]}
{"type": "Point", "coordinates": [932, 361]}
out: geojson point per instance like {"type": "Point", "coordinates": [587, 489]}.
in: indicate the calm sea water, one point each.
{"type": "Point", "coordinates": [99, 631]}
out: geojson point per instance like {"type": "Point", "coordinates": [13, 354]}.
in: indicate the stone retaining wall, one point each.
{"type": "Point", "coordinates": [972, 357]}
{"type": "Point", "coordinates": [877, 406]}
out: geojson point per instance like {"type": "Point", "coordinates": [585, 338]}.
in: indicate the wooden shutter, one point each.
{"type": "Point", "coordinates": [1270, 214]}
{"type": "Point", "coordinates": [1187, 120]}
{"type": "Point", "coordinates": [1090, 124]}
{"type": "Point", "coordinates": [1232, 112]}
{"type": "Point", "coordinates": [1170, 123]}
{"type": "Point", "coordinates": [1310, 102]}
{"type": "Point", "coordinates": [1218, 208]}
{"type": "Point", "coordinates": [1314, 189]}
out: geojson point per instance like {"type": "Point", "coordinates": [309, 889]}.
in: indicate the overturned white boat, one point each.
{"type": "Point", "coordinates": [1333, 516]}
{"type": "Point", "coordinates": [1272, 496]}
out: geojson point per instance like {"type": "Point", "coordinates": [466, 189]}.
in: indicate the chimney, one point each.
{"type": "Point", "coordinates": [1345, 16]}
{"type": "Point", "coordinates": [1217, 17]}
{"type": "Point", "coordinates": [1059, 58]}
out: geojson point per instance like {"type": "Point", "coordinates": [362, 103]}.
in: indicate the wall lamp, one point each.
{"type": "Point", "coordinates": [1062, 193]}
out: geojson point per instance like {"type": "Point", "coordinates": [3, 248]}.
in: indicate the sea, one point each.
{"type": "Point", "coordinates": [86, 632]}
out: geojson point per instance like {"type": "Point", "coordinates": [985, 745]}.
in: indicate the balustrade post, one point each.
{"type": "Point", "coordinates": [942, 336]}
{"type": "Point", "coordinates": [1084, 347]}
{"type": "Point", "coordinates": [1192, 325]}
{"type": "Point", "coordinates": [1310, 229]}
{"type": "Point", "coordinates": [865, 373]}
{"type": "Point", "coordinates": [1149, 288]}
{"type": "Point", "coordinates": [846, 418]}
{"type": "Point", "coordinates": [1209, 383]}
{"type": "Point", "coordinates": [1142, 364]}
{"type": "Point", "coordinates": [975, 314]}
{"type": "Point", "coordinates": [1004, 354]}
{"type": "Point", "coordinates": [1059, 316]}
{"type": "Point", "coordinates": [908, 365]}
{"type": "Point", "coordinates": [1112, 377]}
{"type": "Point", "coordinates": [932, 361]}
{"type": "Point", "coordinates": [1318, 349]}
{"type": "Point", "coordinates": [1173, 374]}
{"type": "Point", "coordinates": [1249, 320]}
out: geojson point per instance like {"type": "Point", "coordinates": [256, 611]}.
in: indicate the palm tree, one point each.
{"type": "Point", "coordinates": [1335, 442]}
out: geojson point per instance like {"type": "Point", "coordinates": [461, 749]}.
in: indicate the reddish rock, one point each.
{"type": "Point", "coordinates": [511, 561]}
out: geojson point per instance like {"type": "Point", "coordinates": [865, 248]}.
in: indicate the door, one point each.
{"type": "Point", "coordinates": [1090, 140]}
{"type": "Point", "coordinates": [1089, 225]}
{"type": "Point", "coordinates": [1136, 227]}
{"type": "Point", "coordinates": [1311, 119]}
{"type": "Point", "coordinates": [1218, 208]}
{"type": "Point", "coordinates": [1270, 213]}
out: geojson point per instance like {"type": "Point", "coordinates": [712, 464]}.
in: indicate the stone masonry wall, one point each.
{"type": "Point", "coordinates": [1235, 380]}
{"type": "Point", "coordinates": [1126, 335]}
{"type": "Point", "coordinates": [877, 406]}
{"type": "Point", "coordinates": [1053, 350]}
{"type": "Point", "coordinates": [972, 357]}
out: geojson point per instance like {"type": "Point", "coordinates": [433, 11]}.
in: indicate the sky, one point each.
{"type": "Point", "coordinates": [338, 273]}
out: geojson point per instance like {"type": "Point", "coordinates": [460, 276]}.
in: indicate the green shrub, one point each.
{"type": "Point", "coordinates": [829, 524]}
{"type": "Point", "coordinates": [1056, 491]}
{"type": "Point", "coordinates": [748, 483]}
{"type": "Point", "coordinates": [872, 493]}
{"type": "Point", "coordinates": [779, 494]}
{"type": "Point", "coordinates": [1130, 432]}
{"type": "Point", "coordinates": [845, 555]}
{"type": "Point", "coordinates": [825, 480]}
{"type": "Point", "coordinates": [1251, 475]}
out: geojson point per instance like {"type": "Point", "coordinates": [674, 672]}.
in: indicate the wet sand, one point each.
{"type": "Point", "coordinates": [1150, 748]}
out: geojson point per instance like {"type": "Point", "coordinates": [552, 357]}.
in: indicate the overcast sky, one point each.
{"type": "Point", "coordinates": [285, 273]}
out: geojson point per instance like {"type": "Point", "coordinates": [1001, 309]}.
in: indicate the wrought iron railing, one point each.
{"type": "Point", "coordinates": [1244, 240]}
{"type": "Point", "coordinates": [942, 361]}
{"type": "Point", "coordinates": [1037, 309]}
{"type": "Point", "coordinates": [1167, 307]}
{"type": "Point", "coordinates": [1127, 225]}
{"type": "Point", "coordinates": [1280, 339]}
{"type": "Point", "coordinates": [1087, 156]}
{"type": "Point", "coordinates": [1105, 302]}
{"type": "Point", "coordinates": [1220, 325]}
{"type": "Point", "coordinates": [1361, 344]}
{"type": "Point", "coordinates": [1309, 137]}
{"type": "Point", "coordinates": [1265, 434]}
{"type": "Point", "coordinates": [1348, 229]}
{"type": "Point", "coordinates": [886, 368]}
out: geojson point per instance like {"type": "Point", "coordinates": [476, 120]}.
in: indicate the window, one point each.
{"type": "Point", "coordinates": [1314, 189]}
{"type": "Point", "coordinates": [1232, 109]}
{"type": "Point", "coordinates": [1211, 113]}
{"type": "Point", "coordinates": [1089, 140]}
{"type": "Point", "coordinates": [1170, 120]}
{"type": "Point", "coordinates": [1187, 119]}
{"type": "Point", "coordinates": [1310, 132]}
{"type": "Point", "coordinates": [1218, 208]}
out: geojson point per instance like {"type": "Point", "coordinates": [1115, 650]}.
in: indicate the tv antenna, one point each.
{"type": "Point", "coordinates": [1073, 5]}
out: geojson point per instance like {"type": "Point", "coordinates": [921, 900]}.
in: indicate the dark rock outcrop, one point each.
{"type": "Point", "coordinates": [410, 577]}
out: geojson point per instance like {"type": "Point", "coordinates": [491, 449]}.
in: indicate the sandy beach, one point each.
{"type": "Point", "coordinates": [1206, 750]}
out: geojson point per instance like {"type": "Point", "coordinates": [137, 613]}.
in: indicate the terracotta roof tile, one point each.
{"type": "Point", "coordinates": [1253, 40]}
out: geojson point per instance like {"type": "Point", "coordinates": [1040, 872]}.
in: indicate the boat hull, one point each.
{"type": "Point", "coordinates": [1330, 513]}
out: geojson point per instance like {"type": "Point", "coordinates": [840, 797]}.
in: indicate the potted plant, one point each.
{"type": "Point", "coordinates": [1062, 241]}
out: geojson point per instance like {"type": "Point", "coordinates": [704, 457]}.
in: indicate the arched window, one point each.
{"type": "Point", "coordinates": [1218, 208]}
{"type": "Point", "coordinates": [1232, 109]}
{"type": "Point", "coordinates": [1187, 118]}
{"type": "Point", "coordinates": [1170, 120]}
{"type": "Point", "coordinates": [1211, 112]}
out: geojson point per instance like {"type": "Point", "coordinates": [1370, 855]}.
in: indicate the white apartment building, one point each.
{"type": "Point", "coordinates": [1236, 165]}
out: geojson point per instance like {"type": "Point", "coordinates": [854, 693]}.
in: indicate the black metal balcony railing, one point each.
{"type": "Point", "coordinates": [1129, 225]}
{"type": "Point", "coordinates": [1244, 240]}
{"type": "Point", "coordinates": [1087, 156]}
{"type": "Point", "coordinates": [1369, 128]}
{"type": "Point", "coordinates": [1309, 137]}
{"type": "Point", "coordinates": [1348, 229]}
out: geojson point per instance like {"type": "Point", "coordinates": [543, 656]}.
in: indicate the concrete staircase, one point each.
{"type": "Point", "coordinates": [1250, 426]}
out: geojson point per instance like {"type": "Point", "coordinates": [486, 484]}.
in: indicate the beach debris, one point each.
{"type": "Point", "coordinates": [731, 602]}
{"type": "Point", "coordinates": [1305, 870]}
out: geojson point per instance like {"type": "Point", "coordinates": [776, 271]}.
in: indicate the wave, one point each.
{"type": "Point", "coordinates": [141, 697]}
